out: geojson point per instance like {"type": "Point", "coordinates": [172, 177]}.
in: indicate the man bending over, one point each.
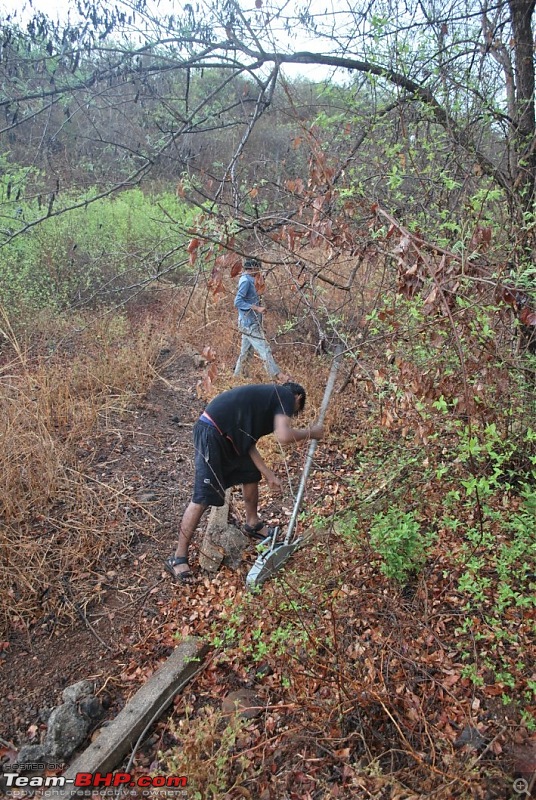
{"type": "Point", "coordinates": [225, 441]}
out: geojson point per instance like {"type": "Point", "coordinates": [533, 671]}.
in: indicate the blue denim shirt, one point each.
{"type": "Point", "coordinates": [246, 296]}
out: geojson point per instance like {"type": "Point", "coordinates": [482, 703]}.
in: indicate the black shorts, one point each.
{"type": "Point", "coordinates": [217, 466]}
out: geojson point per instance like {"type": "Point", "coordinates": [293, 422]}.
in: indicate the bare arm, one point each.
{"type": "Point", "coordinates": [285, 433]}
{"type": "Point", "coordinates": [271, 478]}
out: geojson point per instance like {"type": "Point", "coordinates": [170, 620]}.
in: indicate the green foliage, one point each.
{"type": "Point", "coordinates": [262, 643]}
{"type": "Point", "coordinates": [497, 566]}
{"type": "Point", "coordinates": [397, 538]}
{"type": "Point", "coordinates": [496, 463]}
{"type": "Point", "coordinates": [415, 175]}
{"type": "Point", "coordinates": [99, 248]}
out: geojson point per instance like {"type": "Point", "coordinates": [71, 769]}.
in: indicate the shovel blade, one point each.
{"type": "Point", "coordinates": [269, 562]}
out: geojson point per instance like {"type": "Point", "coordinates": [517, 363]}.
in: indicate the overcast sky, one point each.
{"type": "Point", "coordinates": [63, 9]}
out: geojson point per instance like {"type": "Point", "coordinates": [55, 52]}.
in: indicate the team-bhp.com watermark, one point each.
{"type": "Point", "coordinates": [86, 783]}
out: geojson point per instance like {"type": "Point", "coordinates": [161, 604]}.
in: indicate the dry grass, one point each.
{"type": "Point", "coordinates": [62, 388]}
{"type": "Point", "coordinates": [55, 522]}
{"type": "Point", "coordinates": [361, 695]}
{"type": "Point", "coordinates": [63, 384]}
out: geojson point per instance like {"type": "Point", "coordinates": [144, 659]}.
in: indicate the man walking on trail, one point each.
{"type": "Point", "coordinates": [250, 316]}
{"type": "Point", "coordinates": [225, 441]}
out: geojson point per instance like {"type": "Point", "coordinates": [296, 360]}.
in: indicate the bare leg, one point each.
{"type": "Point", "coordinates": [250, 493]}
{"type": "Point", "coordinates": [190, 520]}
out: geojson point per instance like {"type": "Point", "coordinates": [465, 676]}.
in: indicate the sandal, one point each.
{"type": "Point", "coordinates": [180, 577]}
{"type": "Point", "coordinates": [254, 531]}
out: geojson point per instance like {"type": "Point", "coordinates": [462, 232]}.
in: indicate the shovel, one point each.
{"type": "Point", "coordinates": [274, 555]}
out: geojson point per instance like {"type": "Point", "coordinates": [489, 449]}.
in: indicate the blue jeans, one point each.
{"type": "Point", "coordinates": [253, 339]}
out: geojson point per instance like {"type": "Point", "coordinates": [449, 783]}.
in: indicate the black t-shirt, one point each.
{"type": "Point", "coordinates": [246, 413]}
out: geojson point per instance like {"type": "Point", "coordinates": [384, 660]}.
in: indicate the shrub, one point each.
{"type": "Point", "coordinates": [397, 538]}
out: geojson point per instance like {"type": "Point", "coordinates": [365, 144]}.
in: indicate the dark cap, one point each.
{"type": "Point", "coordinates": [252, 263]}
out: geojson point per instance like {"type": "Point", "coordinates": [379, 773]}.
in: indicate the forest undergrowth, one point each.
{"type": "Point", "coordinates": [393, 657]}
{"type": "Point", "coordinates": [63, 382]}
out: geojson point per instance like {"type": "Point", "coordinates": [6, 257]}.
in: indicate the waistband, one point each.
{"type": "Point", "coordinates": [209, 421]}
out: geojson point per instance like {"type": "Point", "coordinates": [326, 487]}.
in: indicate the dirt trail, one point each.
{"type": "Point", "coordinates": [149, 459]}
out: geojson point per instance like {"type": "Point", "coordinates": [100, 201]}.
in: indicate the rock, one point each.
{"type": "Point", "coordinates": [234, 542]}
{"type": "Point", "coordinates": [91, 707]}
{"type": "Point", "coordinates": [148, 497]}
{"type": "Point", "coordinates": [210, 555]}
{"type": "Point", "coordinates": [67, 725]}
{"type": "Point", "coordinates": [470, 737]}
{"type": "Point", "coordinates": [243, 702]}
{"type": "Point", "coordinates": [32, 754]}
{"type": "Point", "coordinates": [263, 671]}
{"type": "Point", "coordinates": [75, 692]}
{"type": "Point", "coordinates": [44, 714]}
{"type": "Point", "coordinates": [67, 729]}
{"type": "Point", "coordinates": [525, 760]}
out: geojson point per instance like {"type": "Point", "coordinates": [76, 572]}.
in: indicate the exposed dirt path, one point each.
{"type": "Point", "coordinates": [115, 642]}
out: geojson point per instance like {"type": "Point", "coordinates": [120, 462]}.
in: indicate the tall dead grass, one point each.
{"type": "Point", "coordinates": [56, 523]}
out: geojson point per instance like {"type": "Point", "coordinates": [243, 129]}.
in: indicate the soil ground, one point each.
{"type": "Point", "coordinates": [150, 459]}
{"type": "Point", "coordinates": [138, 614]}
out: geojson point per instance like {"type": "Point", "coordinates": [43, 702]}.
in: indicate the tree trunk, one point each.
{"type": "Point", "coordinates": [525, 126]}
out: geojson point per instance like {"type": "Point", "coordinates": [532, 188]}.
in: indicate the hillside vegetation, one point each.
{"type": "Point", "coordinates": [393, 211]}
{"type": "Point", "coordinates": [394, 650]}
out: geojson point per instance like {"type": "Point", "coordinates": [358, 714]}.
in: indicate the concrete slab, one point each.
{"type": "Point", "coordinates": [117, 738]}
{"type": "Point", "coordinates": [222, 543]}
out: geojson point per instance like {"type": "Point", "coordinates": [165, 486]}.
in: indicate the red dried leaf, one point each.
{"type": "Point", "coordinates": [230, 261]}
{"type": "Point", "coordinates": [8, 754]}
{"type": "Point", "coordinates": [481, 238]}
{"type": "Point", "coordinates": [236, 267]}
{"type": "Point", "coordinates": [528, 317]}
{"type": "Point", "coordinates": [507, 295]}
{"type": "Point", "coordinates": [296, 186]}
{"type": "Point", "coordinates": [215, 282]}
{"type": "Point", "coordinates": [432, 296]}
{"type": "Point", "coordinates": [208, 353]}
{"type": "Point", "coordinates": [494, 690]}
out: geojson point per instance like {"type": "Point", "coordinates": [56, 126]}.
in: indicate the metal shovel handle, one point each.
{"type": "Point", "coordinates": [312, 447]}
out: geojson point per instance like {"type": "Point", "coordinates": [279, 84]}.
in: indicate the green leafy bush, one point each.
{"type": "Point", "coordinates": [397, 538]}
